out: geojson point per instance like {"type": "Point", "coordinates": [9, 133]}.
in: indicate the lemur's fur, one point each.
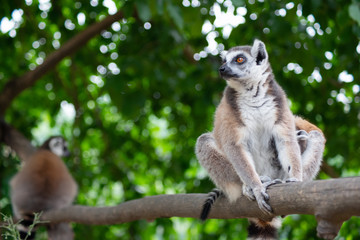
{"type": "Point", "coordinates": [256, 138]}
{"type": "Point", "coordinates": [44, 183]}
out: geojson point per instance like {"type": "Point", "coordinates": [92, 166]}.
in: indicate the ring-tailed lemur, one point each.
{"type": "Point", "coordinates": [256, 139]}
{"type": "Point", "coordinates": [44, 183]}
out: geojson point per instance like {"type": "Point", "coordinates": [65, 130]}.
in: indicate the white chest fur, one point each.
{"type": "Point", "coordinates": [259, 116]}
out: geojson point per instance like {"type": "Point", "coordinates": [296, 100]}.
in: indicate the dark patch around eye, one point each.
{"type": "Point", "coordinates": [240, 56]}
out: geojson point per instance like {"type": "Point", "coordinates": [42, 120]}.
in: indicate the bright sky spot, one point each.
{"type": "Point", "coordinates": [67, 111]}
{"type": "Point", "coordinates": [114, 68]}
{"type": "Point", "coordinates": [97, 80]}
{"type": "Point", "coordinates": [344, 76]}
{"type": "Point", "coordinates": [328, 55]}
{"type": "Point", "coordinates": [6, 25]}
{"type": "Point", "coordinates": [241, 11]}
{"type": "Point", "coordinates": [310, 31]}
{"type": "Point", "coordinates": [356, 89]}
{"type": "Point", "coordinates": [81, 18]}
{"type": "Point", "coordinates": [44, 5]}
{"type": "Point", "coordinates": [94, 3]}
{"type": "Point", "coordinates": [69, 24]}
{"type": "Point", "coordinates": [226, 18]}
{"type": "Point", "coordinates": [186, 3]}
{"type": "Point", "coordinates": [103, 49]}
{"type": "Point", "coordinates": [147, 25]}
{"type": "Point", "coordinates": [17, 15]}
{"type": "Point", "coordinates": [311, 18]}
{"type": "Point", "coordinates": [316, 75]}
{"type": "Point", "coordinates": [111, 6]}
{"type": "Point", "coordinates": [116, 26]}
{"type": "Point", "coordinates": [341, 97]}
{"type": "Point", "coordinates": [207, 27]}
{"type": "Point", "coordinates": [289, 5]}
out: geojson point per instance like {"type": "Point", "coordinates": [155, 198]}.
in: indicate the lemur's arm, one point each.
{"type": "Point", "coordinates": [235, 150]}
{"type": "Point", "coordinates": [288, 150]}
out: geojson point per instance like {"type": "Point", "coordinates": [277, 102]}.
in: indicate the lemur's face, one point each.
{"type": "Point", "coordinates": [244, 63]}
{"type": "Point", "coordinates": [59, 147]}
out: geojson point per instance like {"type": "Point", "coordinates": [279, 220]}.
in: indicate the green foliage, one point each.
{"type": "Point", "coordinates": [134, 99]}
{"type": "Point", "coordinates": [11, 227]}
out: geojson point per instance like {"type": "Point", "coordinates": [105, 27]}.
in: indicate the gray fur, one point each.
{"type": "Point", "coordinates": [254, 131]}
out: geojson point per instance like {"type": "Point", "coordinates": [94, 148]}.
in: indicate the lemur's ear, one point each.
{"type": "Point", "coordinates": [258, 51]}
{"type": "Point", "coordinates": [223, 54]}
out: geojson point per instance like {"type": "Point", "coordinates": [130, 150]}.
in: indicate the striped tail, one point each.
{"type": "Point", "coordinates": [262, 230]}
{"type": "Point", "coordinates": [212, 196]}
{"type": "Point", "coordinates": [23, 228]}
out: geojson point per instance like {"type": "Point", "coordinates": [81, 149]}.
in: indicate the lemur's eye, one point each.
{"type": "Point", "coordinates": [240, 60]}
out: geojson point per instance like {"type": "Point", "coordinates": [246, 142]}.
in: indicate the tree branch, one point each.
{"type": "Point", "coordinates": [331, 201]}
{"type": "Point", "coordinates": [15, 86]}
{"type": "Point", "coordinates": [16, 140]}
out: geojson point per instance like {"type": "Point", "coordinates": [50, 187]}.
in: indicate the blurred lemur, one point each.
{"type": "Point", "coordinates": [256, 139]}
{"type": "Point", "coordinates": [44, 183]}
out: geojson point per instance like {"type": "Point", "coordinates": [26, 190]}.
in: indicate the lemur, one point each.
{"type": "Point", "coordinates": [44, 183]}
{"type": "Point", "coordinates": [256, 140]}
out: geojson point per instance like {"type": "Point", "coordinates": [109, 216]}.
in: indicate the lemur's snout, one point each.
{"type": "Point", "coordinates": [225, 71]}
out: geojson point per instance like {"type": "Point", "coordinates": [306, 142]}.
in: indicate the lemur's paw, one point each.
{"type": "Point", "coordinates": [272, 182]}
{"type": "Point", "coordinates": [302, 135]}
{"type": "Point", "coordinates": [248, 192]}
{"type": "Point", "coordinates": [267, 182]}
{"type": "Point", "coordinates": [262, 199]}
{"type": "Point", "coordinates": [265, 179]}
{"type": "Point", "coordinates": [289, 180]}
{"type": "Point", "coordinates": [316, 136]}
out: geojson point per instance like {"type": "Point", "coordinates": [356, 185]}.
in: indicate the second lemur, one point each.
{"type": "Point", "coordinates": [44, 183]}
{"type": "Point", "coordinates": [256, 139]}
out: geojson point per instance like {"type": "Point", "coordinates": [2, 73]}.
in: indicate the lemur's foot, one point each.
{"type": "Point", "coordinates": [316, 136]}
{"type": "Point", "coordinates": [289, 180]}
{"type": "Point", "coordinates": [248, 192]}
{"type": "Point", "coordinates": [267, 182]}
{"type": "Point", "coordinates": [259, 193]}
{"type": "Point", "coordinates": [262, 199]}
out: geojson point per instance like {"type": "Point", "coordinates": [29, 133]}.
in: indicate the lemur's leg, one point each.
{"type": "Point", "coordinates": [224, 176]}
{"type": "Point", "coordinates": [312, 147]}
{"type": "Point", "coordinates": [218, 167]}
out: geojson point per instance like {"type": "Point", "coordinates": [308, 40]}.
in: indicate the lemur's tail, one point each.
{"type": "Point", "coordinates": [212, 196]}
{"type": "Point", "coordinates": [259, 229]}
{"type": "Point", "coordinates": [24, 227]}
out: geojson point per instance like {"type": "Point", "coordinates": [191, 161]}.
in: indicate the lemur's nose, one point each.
{"type": "Point", "coordinates": [222, 69]}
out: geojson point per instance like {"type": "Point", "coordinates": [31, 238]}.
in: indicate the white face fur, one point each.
{"type": "Point", "coordinates": [59, 147]}
{"type": "Point", "coordinates": [244, 65]}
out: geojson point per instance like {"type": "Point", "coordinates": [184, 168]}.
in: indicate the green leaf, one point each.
{"type": "Point", "coordinates": [354, 11]}
{"type": "Point", "coordinates": [143, 10]}
{"type": "Point", "coordinates": [238, 3]}
{"type": "Point", "coordinates": [175, 14]}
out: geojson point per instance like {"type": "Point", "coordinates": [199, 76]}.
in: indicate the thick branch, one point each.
{"type": "Point", "coordinates": [331, 201]}
{"type": "Point", "coordinates": [16, 140]}
{"type": "Point", "coordinates": [15, 86]}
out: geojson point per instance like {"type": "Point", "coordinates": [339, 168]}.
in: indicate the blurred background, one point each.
{"type": "Point", "coordinates": [132, 101]}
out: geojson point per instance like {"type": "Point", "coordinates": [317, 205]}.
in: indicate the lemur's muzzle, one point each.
{"type": "Point", "coordinates": [225, 72]}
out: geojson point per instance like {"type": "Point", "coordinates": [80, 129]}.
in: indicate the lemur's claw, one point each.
{"type": "Point", "coordinates": [289, 180]}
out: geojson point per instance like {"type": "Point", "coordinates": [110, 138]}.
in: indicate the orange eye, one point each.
{"type": "Point", "coordinates": [240, 60]}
